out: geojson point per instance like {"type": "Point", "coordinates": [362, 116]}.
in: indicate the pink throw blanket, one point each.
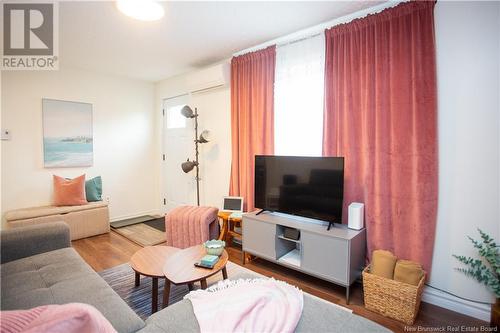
{"type": "Point", "coordinates": [252, 305]}
{"type": "Point", "coordinates": [187, 226]}
{"type": "Point", "coordinates": [66, 318]}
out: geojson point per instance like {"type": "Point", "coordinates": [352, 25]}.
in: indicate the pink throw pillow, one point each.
{"type": "Point", "coordinates": [69, 192]}
{"type": "Point", "coordinates": [66, 318]}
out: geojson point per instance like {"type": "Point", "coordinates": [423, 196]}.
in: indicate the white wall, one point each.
{"type": "Point", "coordinates": [124, 138]}
{"type": "Point", "coordinates": [215, 157]}
{"type": "Point", "coordinates": [467, 39]}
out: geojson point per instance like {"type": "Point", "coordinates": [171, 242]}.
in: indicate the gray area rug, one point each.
{"type": "Point", "coordinates": [158, 223]}
{"type": "Point", "coordinates": [131, 221]}
{"type": "Point", "coordinates": [122, 278]}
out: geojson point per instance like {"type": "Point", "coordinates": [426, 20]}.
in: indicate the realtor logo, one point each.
{"type": "Point", "coordinates": [30, 36]}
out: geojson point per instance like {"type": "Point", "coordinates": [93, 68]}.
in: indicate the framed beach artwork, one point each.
{"type": "Point", "coordinates": [67, 134]}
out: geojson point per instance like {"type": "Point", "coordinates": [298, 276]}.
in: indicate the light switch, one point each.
{"type": "Point", "coordinates": [6, 134]}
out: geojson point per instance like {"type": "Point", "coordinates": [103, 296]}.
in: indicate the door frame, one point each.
{"type": "Point", "coordinates": [163, 158]}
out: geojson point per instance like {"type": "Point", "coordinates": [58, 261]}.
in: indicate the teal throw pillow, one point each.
{"type": "Point", "coordinates": [93, 189]}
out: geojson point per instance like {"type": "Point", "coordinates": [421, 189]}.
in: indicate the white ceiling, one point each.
{"type": "Point", "coordinates": [96, 36]}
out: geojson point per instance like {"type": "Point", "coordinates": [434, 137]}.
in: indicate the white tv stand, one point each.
{"type": "Point", "coordinates": [337, 255]}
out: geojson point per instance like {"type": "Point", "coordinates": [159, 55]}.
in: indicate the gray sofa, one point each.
{"type": "Point", "coordinates": [38, 266]}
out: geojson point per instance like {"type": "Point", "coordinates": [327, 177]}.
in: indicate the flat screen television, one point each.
{"type": "Point", "coordinates": [305, 186]}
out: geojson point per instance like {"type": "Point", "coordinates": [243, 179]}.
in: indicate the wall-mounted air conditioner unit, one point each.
{"type": "Point", "coordinates": [209, 78]}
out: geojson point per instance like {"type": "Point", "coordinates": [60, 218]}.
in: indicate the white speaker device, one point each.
{"type": "Point", "coordinates": [356, 216]}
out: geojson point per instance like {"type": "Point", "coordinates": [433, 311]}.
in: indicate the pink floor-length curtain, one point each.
{"type": "Point", "coordinates": [252, 118]}
{"type": "Point", "coordinates": [380, 114]}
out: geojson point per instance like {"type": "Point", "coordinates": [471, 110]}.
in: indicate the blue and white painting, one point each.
{"type": "Point", "coordinates": [67, 134]}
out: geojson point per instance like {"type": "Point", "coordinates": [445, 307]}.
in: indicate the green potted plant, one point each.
{"type": "Point", "coordinates": [485, 271]}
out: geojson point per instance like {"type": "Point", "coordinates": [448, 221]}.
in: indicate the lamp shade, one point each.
{"type": "Point", "coordinates": [204, 137]}
{"type": "Point", "coordinates": [187, 112]}
{"type": "Point", "coordinates": [188, 166]}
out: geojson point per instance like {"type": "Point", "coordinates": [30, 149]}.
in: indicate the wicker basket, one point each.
{"type": "Point", "coordinates": [391, 298]}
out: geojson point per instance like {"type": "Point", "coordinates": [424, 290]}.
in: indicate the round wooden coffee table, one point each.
{"type": "Point", "coordinates": [149, 261]}
{"type": "Point", "coordinates": [179, 269]}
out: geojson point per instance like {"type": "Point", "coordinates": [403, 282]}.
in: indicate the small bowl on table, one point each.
{"type": "Point", "coordinates": [214, 247]}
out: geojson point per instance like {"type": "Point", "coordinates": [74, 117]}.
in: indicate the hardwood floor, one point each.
{"type": "Point", "coordinates": [109, 250]}
{"type": "Point", "coordinates": [105, 251]}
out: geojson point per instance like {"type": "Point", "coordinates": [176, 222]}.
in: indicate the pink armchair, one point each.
{"type": "Point", "coordinates": [187, 226]}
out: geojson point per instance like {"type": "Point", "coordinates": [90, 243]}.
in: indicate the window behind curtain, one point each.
{"type": "Point", "coordinates": [298, 97]}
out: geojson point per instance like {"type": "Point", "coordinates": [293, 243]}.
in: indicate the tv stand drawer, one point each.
{"type": "Point", "coordinates": [259, 238]}
{"type": "Point", "coordinates": [325, 256]}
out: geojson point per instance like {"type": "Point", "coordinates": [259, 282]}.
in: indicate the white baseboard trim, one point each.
{"type": "Point", "coordinates": [123, 217]}
{"type": "Point", "coordinates": [447, 301]}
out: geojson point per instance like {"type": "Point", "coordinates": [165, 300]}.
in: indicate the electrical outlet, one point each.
{"type": "Point", "coordinates": [107, 199]}
{"type": "Point", "coordinates": [6, 134]}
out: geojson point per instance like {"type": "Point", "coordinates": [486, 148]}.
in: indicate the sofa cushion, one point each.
{"type": "Point", "coordinates": [18, 243]}
{"type": "Point", "coordinates": [178, 317]}
{"type": "Point", "coordinates": [318, 315]}
{"type": "Point", "coordinates": [60, 277]}
{"type": "Point", "coordinates": [32, 212]}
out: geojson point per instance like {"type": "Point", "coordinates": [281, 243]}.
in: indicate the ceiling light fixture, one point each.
{"type": "Point", "coordinates": [144, 10]}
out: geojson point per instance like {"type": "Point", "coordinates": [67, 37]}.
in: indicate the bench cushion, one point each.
{"type": "Point", "coordinates": [60, 277]}
{"type": "Point", "coordinates": [32, 212]}
{"type": "Point", "coordinates": [83, 221]}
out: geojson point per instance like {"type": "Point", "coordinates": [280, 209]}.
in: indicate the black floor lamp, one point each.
{"type": "Point", "coordinates": [187, 166]}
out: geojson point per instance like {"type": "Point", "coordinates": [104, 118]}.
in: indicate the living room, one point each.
{"type": "Point", "coordinates": [186, 105]}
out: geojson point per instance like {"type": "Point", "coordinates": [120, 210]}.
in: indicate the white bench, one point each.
{"type": "Point", "coordinates": [83, 221]}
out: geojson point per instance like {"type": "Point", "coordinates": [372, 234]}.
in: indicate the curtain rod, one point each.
{"type": "Point", "coordinates": [299, 40]}
{"type": "Point", "coordinates": [319, 28]}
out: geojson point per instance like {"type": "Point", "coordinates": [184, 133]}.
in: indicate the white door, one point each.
{"type": "Point", "coordinates": [178, 145]}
